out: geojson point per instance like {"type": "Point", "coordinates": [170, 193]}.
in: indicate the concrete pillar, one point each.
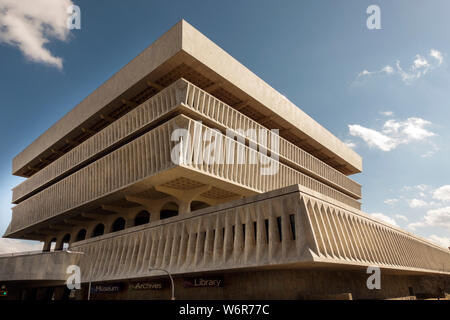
{"type": "Point", "coordinates": [153, 206]}
{"type": "Point", "coordinates": [47, 245]}
{"type": "Point", "coordinates": [59, 243]}
{"type": "Point", "coordinates": [184, 197]}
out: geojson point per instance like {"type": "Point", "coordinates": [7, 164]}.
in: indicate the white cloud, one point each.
{"type": "Point", "coordinates": [410, 129]}
{"type": "Point", "coordinates": [387, 69]}
{"type": "Point", "coordinates": [419, 67]}
{"type": "Point", "coordinates": [437, 55]}
{"type": "Point", "coordinates": [393, 133]}
{"type": "Point", "coordinates": [428, 154]}
{"type": "Point", "coordinates": [384, 218]}
{"type": "Point", "coordinates": [401, 217]}
{"type": "Point", "coordinates": [417, 203]}
{"type": "Point", "coordinates": [387, 113]}
{"type": "Point", "coordinates": [434, 218]}
{"type": "Point", "coordinates": [442, 193]}
{"type": "Point", "coordinates": [350, 144]}
{"type": "Point", "coordinates": [14, 245]}
{"type": "Point", "coordinates": [441, 241]}
{"type": "Point", "coordinates": [420, 187]}
{"type": "Point", "coordinates": [364, 73]}
{"type": "Point", "coordinates": [420, 63]}
{"type": "Point", "coordinates": [372, 137]}
{"type": "Point", "coordinates": [391, 201]}
{"type": "Point", "coordinates": [30, 24]}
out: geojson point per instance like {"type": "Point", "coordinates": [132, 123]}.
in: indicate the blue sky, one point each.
{"type": "Point", "coordinates": [384, 92]}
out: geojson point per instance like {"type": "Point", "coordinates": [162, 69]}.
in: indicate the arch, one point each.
{"type": "Point", "coordinates": [65, 242]}
{"type": "Point", "coordinates": [50, 246]}
{"type": "Point", "coordinates": [169, 209]}
{"type": "Point", "coordinates": [81, 235]}
{"type": "Point", "coordinates": [98, 230]}
{"type": "Point", "coordinates": [142, 217]}
{"type": "Point", "coordinates": [197, 205]}
{"type": "Point", "coordinates": [118, 224]}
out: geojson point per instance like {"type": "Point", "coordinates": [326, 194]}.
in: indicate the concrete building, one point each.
{"type": "Point", "coordinates": [244, 213]}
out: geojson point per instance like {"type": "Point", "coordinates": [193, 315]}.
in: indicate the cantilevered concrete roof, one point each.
{"type": "Point", "coordinates": [184, 51]}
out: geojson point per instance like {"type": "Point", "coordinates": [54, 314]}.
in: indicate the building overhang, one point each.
{"type": "Point", "coordinates": [185, 52]}
{"type": "Point", "coordinates": [134, 168]}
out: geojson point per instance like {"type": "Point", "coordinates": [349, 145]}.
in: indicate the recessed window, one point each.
{"type": "Point", "coordinates": [142, 217]}
{"type": "Point", "coordinates": [52, 245]}
{"type": "Point", "coordinates": [266, 227]}
{"type": "Point", "coordinates": [197, 205]}
{"type": "Point", "coordinates": [81, 235]}
{"type": "Point", "coordinates": [169, 210]}
{"type": "Point", "coordinates": [292, 222]}
{"type": "Point", "coordinates": [98, 230]}
{"type": "Point", "coordinates": [279, 228]}
{"type": "Point", "coordinates": [118, 224]}
{"type": "Point", "coordinates": [65, 242]}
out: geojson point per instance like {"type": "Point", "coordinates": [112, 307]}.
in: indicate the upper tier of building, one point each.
{"type": "Point", "coordinates": [185, 52]}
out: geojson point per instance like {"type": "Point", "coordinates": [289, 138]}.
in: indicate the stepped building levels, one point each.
{"type": "Point", "coordinates": [173, 164]}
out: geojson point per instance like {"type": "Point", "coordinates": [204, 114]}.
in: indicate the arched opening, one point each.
{"type": "Point", "coordinates": [118, 224]}
{"type": "Point", "coordinates": [170, 209]}
{"type": "Point", "coordinates": [142, 217]}
{"type": "Point", "coordinates": [51, 245]}
{"type": "Point", "coordinates": [65, 242]}
{"type": "Point", "coordinates": [81, 235]}
{"type": "Point", "coordinates": [98, 230]}
{"type": "Point", "coordinates": [197, 205]}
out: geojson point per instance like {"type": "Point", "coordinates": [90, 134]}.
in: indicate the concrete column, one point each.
{"type": "Point", "coordinates": [153, 206]}
{"type": "Point", "coordinates": [126, 213]}
{"type": "Point", "coordinates": [47, 245]}
{"type": "Point", "coordinates": [59, 243]}
{"type": "Point", "coordinates": [184, 197]}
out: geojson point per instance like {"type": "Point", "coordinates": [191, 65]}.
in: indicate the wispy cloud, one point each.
{"type": "Point", "coordinates": [29, 25]}
{"type": "Point", "coordinates": [437, 55]}
{"type": "Point", "coordinates": [434, 218]}
{"type": "Point", "coordinates": [393, 133]}
{"type": "Point", "coordinates": [428, 154]}
{"type": "Point", "coordinates": [420, 66]}
{"type": "Point", "coordinates": [442, 193]}
{"type": "Point", "coordinates": [350, 144]}
{"type": "Point", "coordinates": [441, 241]}
{"type": "Point", "coordinates": [431, 201]}
{"type": "Point", "coordinates": [391, 201]}
{"type": "Point", "coordinates": [420, 187]}
{"type": "Point", "coordinates": [401, 217]}
{"type": "Point", "coordinates": [387, 113]}
{"type": "Point", "coordinates": [372, 137]}
{"type": "Point", "coordinates": [385, 70]}
{"type": "Point", "coordinates": [384, 218]}
{"type": "Point", "coordinates": [417, 203]}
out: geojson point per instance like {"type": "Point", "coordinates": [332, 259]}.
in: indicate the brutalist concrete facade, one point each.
{"type": "Point", "coordinates": [107, 183]}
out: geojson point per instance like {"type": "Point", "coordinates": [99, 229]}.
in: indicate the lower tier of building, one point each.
{"type": "Point", "coordinates": [289, 229]}
{"type": "Point", "coordinates": [293, 284]}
